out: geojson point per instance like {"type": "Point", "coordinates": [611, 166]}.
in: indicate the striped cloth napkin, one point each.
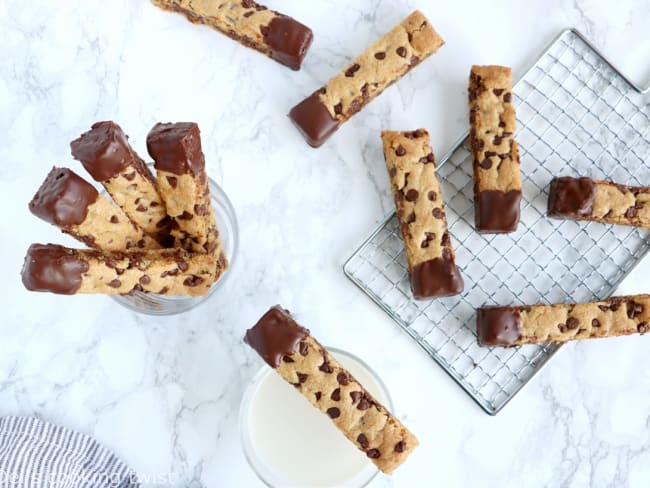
{"type": "Point", "coordinates": [37, 454]}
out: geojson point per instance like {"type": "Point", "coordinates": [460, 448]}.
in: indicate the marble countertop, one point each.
{"type": "Point", "coordinates": [164, 392]}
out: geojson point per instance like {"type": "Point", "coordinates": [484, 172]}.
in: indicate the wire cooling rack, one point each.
{"type": "Point", "coordinates": [577, 115]}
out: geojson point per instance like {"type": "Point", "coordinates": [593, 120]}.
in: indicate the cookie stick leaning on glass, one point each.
{"type": "Point", "coordinates": [108, 157]}
{"type": "Point", "coordinates": [497, 174]}
{"type": "Point", "coordinates": [511, 326]}
{"type": "Point", "coordinates": [73, 205]}
{"type": "Point", "coordinates": [318, 116]}
{"type": "Point", "coordinates": [57, 269]}
{"type": "Point", "coordinates": [303, 362]}
{"type": "Point", "coordinates": [183, 182]}
{"type": "Point", "coordinates": [418, 198]}
{"type": "Point", "coordinates": [276, 35]}
{"type": "Point", "coordinates": [599, 201]}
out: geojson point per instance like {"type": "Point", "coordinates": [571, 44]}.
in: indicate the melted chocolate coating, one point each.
{"type": "Point", "coordinates": [436, 277]}
{"type": "Point", "coordinates": [275, 335]}
{"type": "Point", "coordinates": [52, 268]}
{"type": "Point", "coordinates": [176, 148]}
{"type": "Point", "coordinates": [63, 198]}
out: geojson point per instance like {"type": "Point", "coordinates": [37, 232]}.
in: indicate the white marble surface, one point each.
{"type": "Point", "coordinates": [164, 392]}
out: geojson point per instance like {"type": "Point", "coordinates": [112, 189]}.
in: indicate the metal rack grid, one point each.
{"type": "Point", "coordinates": [577, 115]}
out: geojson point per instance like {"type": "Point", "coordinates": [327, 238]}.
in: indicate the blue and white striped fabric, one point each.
{"type": "Point", "coordinates": [37, 454]}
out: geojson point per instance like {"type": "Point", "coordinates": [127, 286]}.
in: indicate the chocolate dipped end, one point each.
{"type": "Point", "coordinates": [498, 326]}
{"type": "Point", "coordinates": [571, 197]}
{"type": "Point", "coordinates": [313, 120]}
{"type": "Point", "coordinates": [275, 335]}
{"type": "Point", "coordinates": [104, 150]}
{"type": "Point", "coordinates": [437, 277]}
{"type": "Point", "coordinates": [63, 198]}
{"type": "Point", "coordinates": [497, 212]}
{"type": "Point", "coordinates": [52, 268]}
{"type": "Point", "coordinates": [288, 40]}
{"type": "Point", "coordinates": [176, 148]}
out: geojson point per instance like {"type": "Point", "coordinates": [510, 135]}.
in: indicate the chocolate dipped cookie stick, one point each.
{"type": "Point", "coordinates": [303, 362]}
{"type": "Point", "coordinates": [497, 176]}
{"type": "Point", "coordinates": [276, 35]}
{"type": "Point", "coordinates": [599, 201]}
{"type": "Point", "coordinates": [421, 211]}
{"type": "Point", "coordinates": [320, 115]}
{"type": "Point", "coordinates": [73, 205]}
{"type": "Point", "coordinates": [180, 165]}
{"type": "Point", "coordinates": [106, 154]}
{"type": "Point", "coordinates": [65, 271]}
{"type": "Point", "coordinates": [510, 326]}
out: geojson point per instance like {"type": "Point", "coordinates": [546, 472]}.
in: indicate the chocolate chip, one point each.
{"type": "Point", "coordinates": [498, 91]}
{"type": "Point", "coordinates": [352, 69]}
{"type": "Point", "coordinates": [438, 213]}
{"type": "Point", "coordinates": [432, 195]}
{"type": "Point", "coordinates": [562, 327]}
{"type": "Point", "coordinates": [201, 209]}
{"type": "Point", "coordinates": [614, 307]}
{"type": "Point", "coordinates": [363, 441]}
{"type": "Point", "coordinates": [412, 195]}
{"type": "Point", "coordinates": [338, 108]}
{"type": "Point", "coordinates": [415, 60]}
{"type": "Point", "coordinates": [486, 163]}
{"type": "Point", "coordinates": [248, 14]}
{"type": "Point", "coordinates": [392, 172]}
{"type": "Point", "coordinates": [185, 216]}
{"type": "Point", "coordinates": [287, 359]}
{"type": "Point", "coordinates": [507, 97]}
{"type": "Point", "coordinates": [400, 151]}
{"type": "Point", "coordinates": [172, 180]}
{"type": "Point", "coordinates": [318, 394]}
{"type": "Point", "coordinates": [643, 327]}
{"type": "Point", "coordinates": [163, 290]}
{"type": "Point", "coordinates": [137, 200]}
{"type": "Point", "coordinates": [114, 219]}
{"type": "Point", "coordinates": [303, 348]}
{"type": "Point", "coordinates": [380, 55]}
{"type": "Point", "coordinates": [364, 91]}
{"type": "Point", "coordinates": [429, 158]}
{"type": "Point", "coordinates": [414, 134]}
{"type": "Point", "coordinates": [193, 281]}
{"type": "Point", "coordinates": [572, 323]}
{"type": "Point", "coordinates": [502, 124]}
{"type": "Point", "coordinates": [144, 280]}
{"type": "Point", "coordinates": [336, 395]}
{"type": "Point", "coordinates": [497, 140]}
{"type": "Point", "coordinates": [595, 323]}
{"type": "Point", "coordinates": [141, 208]}
{"type": "Point", "coordinates": [356, 396]}
{"type": "Point", "coordinates": [399, 447]}
{"type": "Point", "coordinates": [343, 379]}
{"type": "Point", "coordinates": [630, 212]}
{"type": "Point", "coordinates": [364, 403]}
{"type": "Point", "coordinates": [411, 218]}
{"type": "Point", "coordinates": [604, 308]}
{"type": "Point", "coordinates": [333, 412]}
{"type": "Point", "coordinates": [140, 243]}
{"type": "Point", "coordinates": [302, 377]}
{"type": "Point", "coordinates": [325, 367]}
{"type": "Point", "coordinates": [115, 283]}
{"type": "Point", "coordinates": [401, 51]}
{"type": "Point", "coordinates": [445, 241]}
{"type": "Point", "coordinates": [182, 265]}
{"type": "Point", "coordinates": [373, 453]}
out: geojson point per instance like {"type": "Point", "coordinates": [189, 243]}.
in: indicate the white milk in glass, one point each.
{"type": "Point", "coordinates": [298, 443]}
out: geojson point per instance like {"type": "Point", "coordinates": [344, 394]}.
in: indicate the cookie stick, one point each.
{"type": "Point", "coordinates": [497, 176]}
{"type": "Point", "coordinates": [72, 204]}
{"type": "Point", "coordinates": [57, 269]}
{"type": "Point", "coordinates": [106, 154]}
{"type": "Point", "coordinates": [180, 165]}
{"type": "Point", "coordinates": [276, 35]}
{"type": "Point", "coordinates": [509, 326]}
{"type": "Point", "coordinates": [599, 201]}
{"type": "Point", "coordinates": [302, 361]}
{"type": "Point", "coordinates": [318, 116]}
{"type": "Point", "coordinates": [421, 211]}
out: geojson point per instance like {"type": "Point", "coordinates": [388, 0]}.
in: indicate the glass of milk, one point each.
{"type": "Point", "coordinates": [290, 443]}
